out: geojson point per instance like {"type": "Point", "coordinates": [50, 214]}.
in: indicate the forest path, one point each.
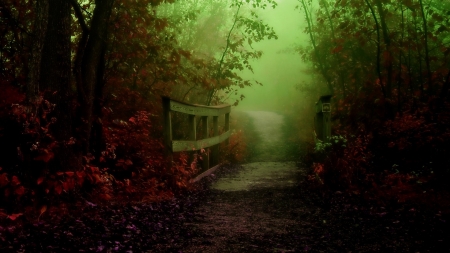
{"type": "Point", "coordinates": [267, 205]}
{"type": "Point", "coordinates": [256, 208]}
{"type": "Point", "coordinates": [268, 166]}
{"type": "Point", "coordinates": [261, 206]}
{"type": "Point", "coordinates": [268, 127]}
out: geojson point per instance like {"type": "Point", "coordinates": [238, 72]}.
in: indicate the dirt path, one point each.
{"type": "Point", "coordinates": [265, 206]}
{"type": "Point", "coordinates": [272, 137]}
{"type": "Point", "coordinates": [268, 126]}
{"type": "Point", "coordinates": [256, 208]}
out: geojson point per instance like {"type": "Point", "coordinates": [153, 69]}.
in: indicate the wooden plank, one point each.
{"type": "Point", "coordinates": [179, 146]}
{"type": "Point", "coordinates": [192, 128]}
{"type": "Point", "coordinates": [227, 121]}
{"type": "Point", "coordinates": [167, 121]}
{"type": "Point", "coordinates": [167, 131]}
{"type": "Point", "coordinates": [193, 137]}
{"type": "Point", "coordinates": [205, 131]}
{"type": "Point", "coordinates": [204, 174]}
{"type": "Point", "coordinates": [199, 110]}
{"type": "Point", "coordinates": [227, 127]}
{"type": "Point", "coordinates": [215, 148]}
{"type": "Point", "coordinates": [326, 126]}
{"type": "Point", "coordinates": [193, 144]}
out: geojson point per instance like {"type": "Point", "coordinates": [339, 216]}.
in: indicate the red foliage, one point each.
{"type": "Point", "coordinates": [398, 160]}
{"type": "Point", "coordinates": [236, 151]}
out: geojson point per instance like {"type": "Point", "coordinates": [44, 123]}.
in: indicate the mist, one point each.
{"type": "Point", "coordinates": [280, 69]}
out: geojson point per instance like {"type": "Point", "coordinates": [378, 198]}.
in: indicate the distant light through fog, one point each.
{"type": "Point", "coordinates": [279, 72]}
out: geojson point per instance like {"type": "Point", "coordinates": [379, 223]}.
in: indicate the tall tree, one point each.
{"type": "Point", "coordinates": [38, 36]}
{"type": "Point", "coordinates": [318, 57]}
{"type": "Point", "coordinates": [387, 53]}
{"type": "Point", "coordinates": [55, 78]}
{"type": "Point", "coordinates": [92, 67]}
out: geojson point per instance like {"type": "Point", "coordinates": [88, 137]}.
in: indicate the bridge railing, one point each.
{"type": "Point", "coordinates": [208, 140]}
{"type": "Point", "coordinates": [322, 120]}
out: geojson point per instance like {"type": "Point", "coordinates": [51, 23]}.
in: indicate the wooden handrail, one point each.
{"type": "Point", "coordinates": [193, 110]}
{"type": "Point", "coordinates": [199, 110]}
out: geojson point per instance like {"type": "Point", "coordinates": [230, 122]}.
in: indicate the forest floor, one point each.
{"type": "Point", "coordinates": [242, 208]}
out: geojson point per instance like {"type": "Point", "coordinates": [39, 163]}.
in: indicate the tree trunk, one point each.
{"type": "Point", "coordinates": [55, 77]}
{"type": "Point", "coordinates": [427, 58]}
{"type": "Point", "coordinates": [380, 77]}
{"type": "Point", "coordinates": [90, 74]}
{"type": "Point", "coordinates": [38, 37]}
{"type": "Point", "coordinates": [316, 51]}
{"type": "Point", "coordinates": [96, 141]}
{"type": "Point", "coordinates": [388, 53]}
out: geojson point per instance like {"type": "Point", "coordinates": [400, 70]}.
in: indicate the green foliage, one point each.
{"type": "Point", "coordinates": [221, 35]}
{"type": "Point", "coordinates": [335, 141]}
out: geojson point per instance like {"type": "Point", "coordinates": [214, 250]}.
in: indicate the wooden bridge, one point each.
{"type": "Point", "coordinates": [209, 143]}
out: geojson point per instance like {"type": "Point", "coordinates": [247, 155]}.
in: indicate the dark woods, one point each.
{"type": "Point", "coordinates": [387, 65]}
{"type": "Point", "coordinates": [81, 81]}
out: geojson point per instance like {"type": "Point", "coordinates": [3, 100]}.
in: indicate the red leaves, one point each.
{"type": "Point", "coordinates": [175, 57]}
{"type": "Point", "coordinates": [14, 216]}
{"type": "Point", "coordinates": [80, 176]}
{"type": "Point", "coordinates": [337, 49]}
{"type": "Point", "coordinates": [15, 181]}
{"type": "Point", "coordinates": [185, 53]}
{"type": "Point", "coordinates": [105, 196]}
{"type": "Point", "coordinates": [10, 95]}
{"type": "Point", "coordinates": [14, 185]}
{"type": "Point", "coordinates": [46, 156]}
{"type": "Point", "coordinates": [124, 163]}
{"type": "Point", "coordinates": [58, 189]}
{"type": "Point", "coordinates": [43, 210]}
{"type": "Point", "coordinates": [387, 58]}
{"type": "Point", "coordinates": [160, 24]}
{"type": "Point", "coordinates": [409, 4]}
{"type": "Point", "coordinates": [4, 181]}
{"type": "Point", "coordinates": [19, 191]}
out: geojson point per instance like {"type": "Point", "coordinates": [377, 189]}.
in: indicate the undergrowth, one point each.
{"type": "Point", "coordinates": [403, 161]}
{"type": "Point", "coordinates": [131, 165]}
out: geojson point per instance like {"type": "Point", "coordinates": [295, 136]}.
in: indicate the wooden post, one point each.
{"type": "Point", "coordinates": [319, 121]}
{"type": "Point", "coordinates": [205, 133]}
{"type": "Point", "coordinates": [227, 127]}
{"type": "Point", "coordinates": [192, 137]}
{"type": "Point", "coordinates": [167, 134]}
{"type": "Point", "coordinates": [215, 148]}
{"type": "Point", "coordinates": [323, 118]}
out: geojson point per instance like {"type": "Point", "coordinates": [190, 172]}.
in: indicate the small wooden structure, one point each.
{"type": "Point", "coordinates": [322, 120]}
{"type": "Point", "coordinates": [202, 111]}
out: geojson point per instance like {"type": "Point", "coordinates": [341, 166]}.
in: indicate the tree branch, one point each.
{"type": "Point", "coordinates": [378, 47]}
{"type": "Point", "coordinates": [78, 13]}
{"type": "Point", "coordinates": [211, 94]}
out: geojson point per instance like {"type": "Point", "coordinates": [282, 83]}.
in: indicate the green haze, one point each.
{"type": "Point", "coordinates": [280, 69]}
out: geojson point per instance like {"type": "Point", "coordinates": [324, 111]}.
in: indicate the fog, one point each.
{"type": "Point", "coordinates": [280, 69]}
